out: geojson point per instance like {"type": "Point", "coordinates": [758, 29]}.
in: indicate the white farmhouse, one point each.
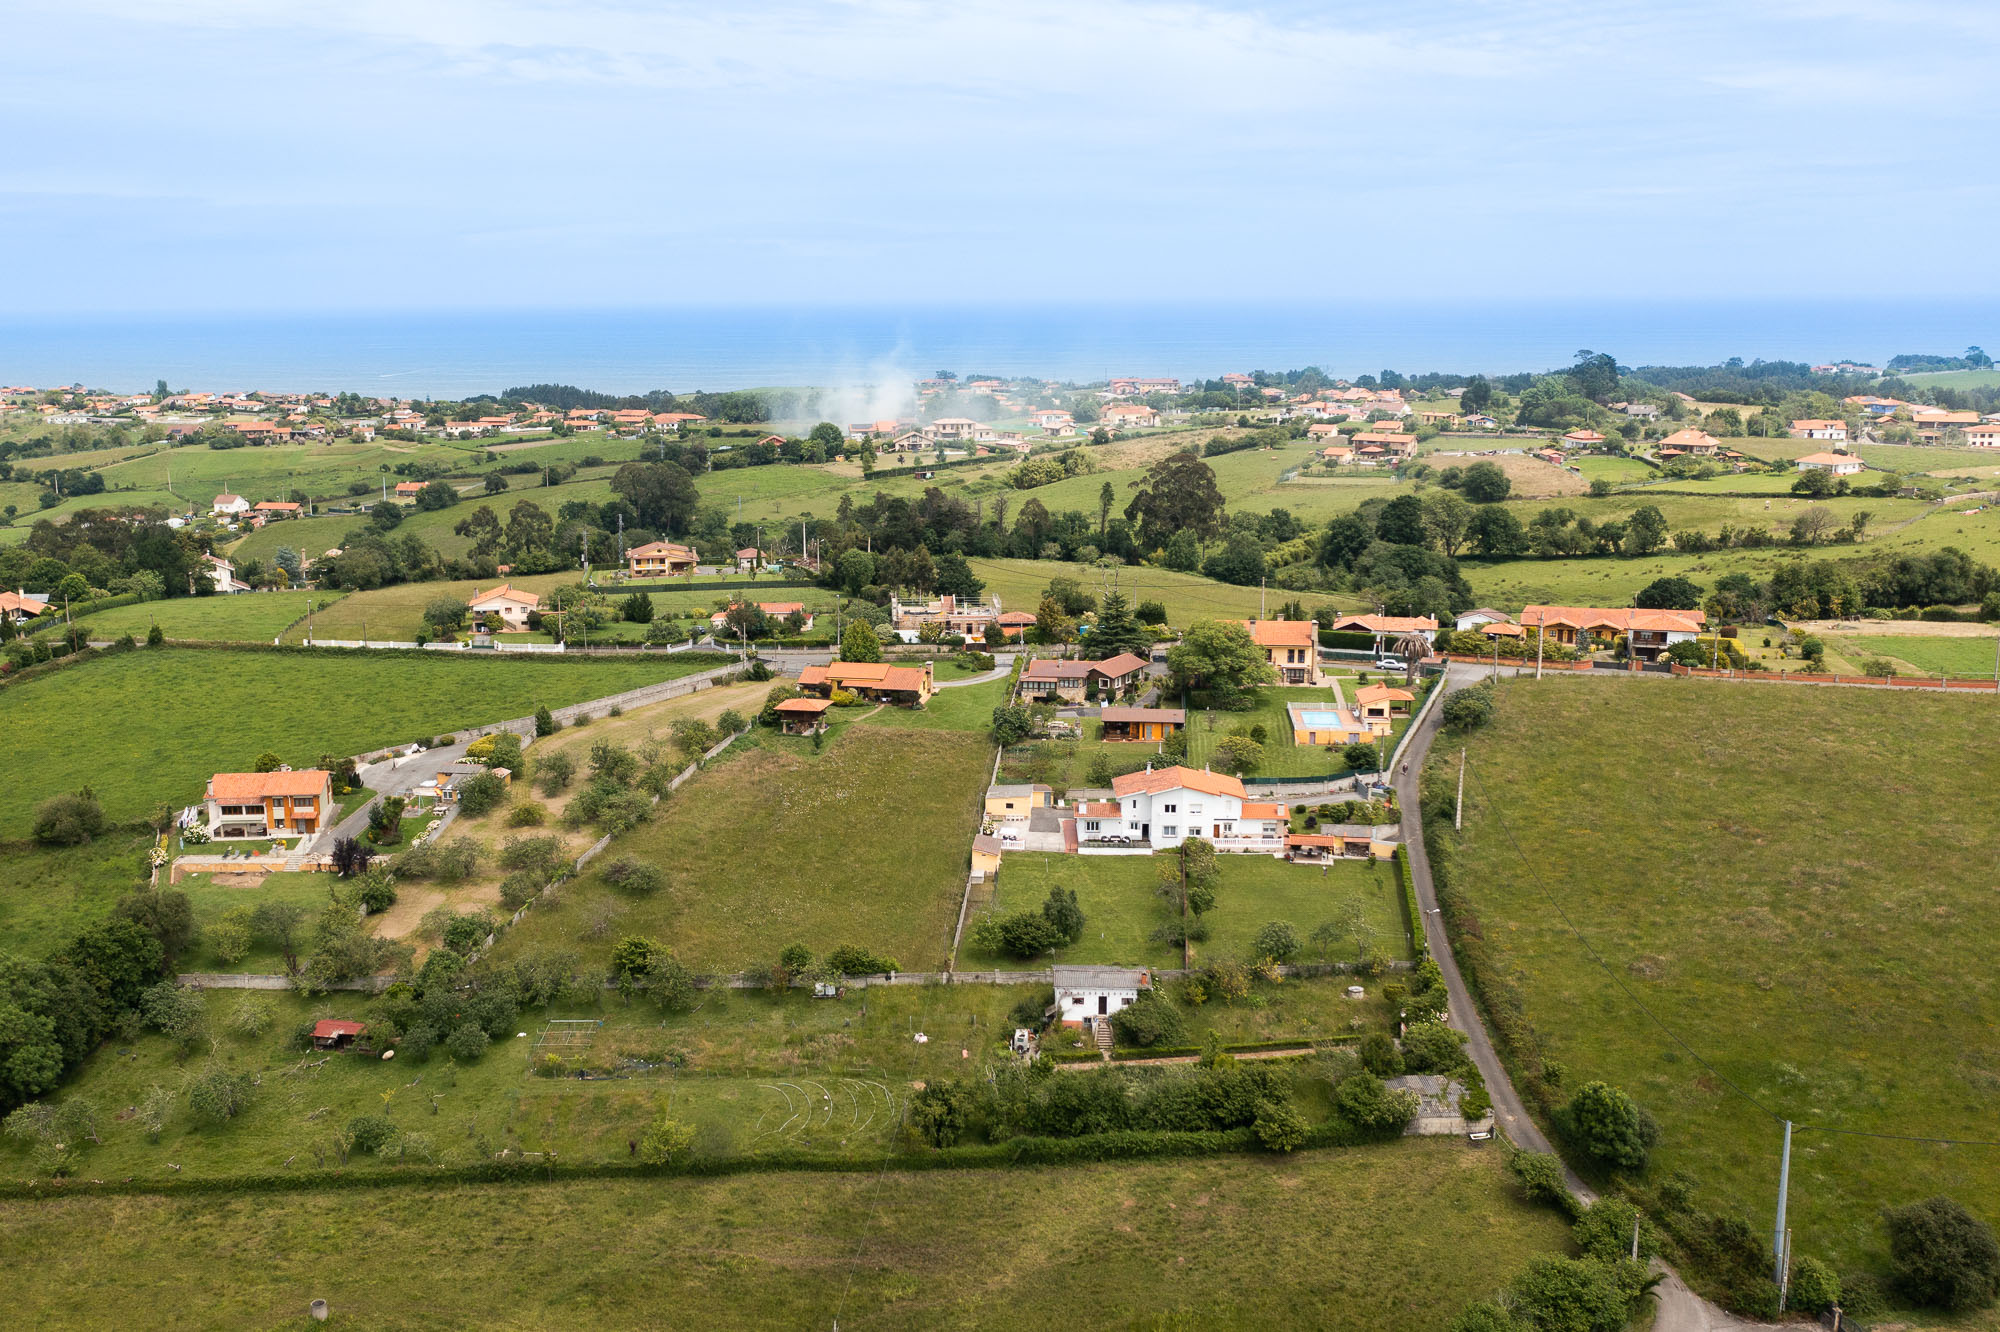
{"type": "Point", "coordinates": [1840, 464]}
{"type": "Point", "coordinates": [1084, 994]}
{"type": "Point", "coordinates": [1162, 807]}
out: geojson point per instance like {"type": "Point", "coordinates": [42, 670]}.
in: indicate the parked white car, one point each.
{"type": "Point", "coordinates": [1389, 664]}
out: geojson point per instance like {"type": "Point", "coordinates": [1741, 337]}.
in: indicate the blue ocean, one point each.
{"type": "Point", "coordinates": [688, 348]}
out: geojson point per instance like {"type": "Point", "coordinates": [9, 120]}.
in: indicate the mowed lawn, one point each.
{"type": "Point", "coordinates": [151, 725]}
{"type": "Point", "coordinates": [250, 617]}
{"type": "Point", "coordinates": [867, 842]}
{"type": "Point", "coordinates": [1122, 907]}
{"type": "Point", "coordinates": [1421, 1228]}
{"type": "Point", "coordinates": [1800, 882]}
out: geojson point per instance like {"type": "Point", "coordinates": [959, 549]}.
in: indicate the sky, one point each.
{"type": "Point", "coordinates": [262, 155]}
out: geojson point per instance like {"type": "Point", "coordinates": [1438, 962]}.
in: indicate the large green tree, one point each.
{"type": "Point", "coordinates": [663, 494]}
{"type": "Point", "coordinates": [1218, 655]}
{"type": "Point", "coordinates": [1178, 494]}
{"type": "Point", "coordinates": [859, 643]}
{"type": "Point", "coordinates": [1116, 630]}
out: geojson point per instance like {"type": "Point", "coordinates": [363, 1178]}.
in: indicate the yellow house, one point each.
{"type": "Point", "coordinates": [985, 856]}
{"type": "Point", "coordinates": [660, 559]}
{"type": "Point", "coordinates": [1291, 646]}
{"type": "Point", "coordinates": [1010, 804]}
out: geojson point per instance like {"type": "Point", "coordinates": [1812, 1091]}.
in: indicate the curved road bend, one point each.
{"type": "Point", "coordinates": [1680, 1309]}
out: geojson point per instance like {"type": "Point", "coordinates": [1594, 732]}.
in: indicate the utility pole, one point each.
{"type": "Point", "coordinates": [1784, 1186]}
{"type": "Point", "coordinates": [1458, 810]}
{"type": "Point", "coordinates": [1540, 635]}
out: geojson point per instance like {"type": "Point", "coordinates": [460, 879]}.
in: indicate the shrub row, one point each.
{"type": "Point", "coordinates": [1240, 1047]}
{"type": "Point", "coordinates": [1124, 1145]}
{"type": "Point", "coordinates": [1413, 915]}
{"type": "Point", "coordinates": [1347, 638]}
{"type": "Point", "coordinates": [78, 612]}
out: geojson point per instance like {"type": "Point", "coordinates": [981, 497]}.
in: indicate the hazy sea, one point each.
{"type": "Point", "coordinates": [632, 350]}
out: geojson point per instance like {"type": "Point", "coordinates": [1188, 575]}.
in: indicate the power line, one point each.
{"type": "Point", "coordinates": [1674, 1036]}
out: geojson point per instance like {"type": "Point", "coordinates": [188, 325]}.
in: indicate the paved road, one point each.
{"type": "Point", "coordinates": [1679, 1309]}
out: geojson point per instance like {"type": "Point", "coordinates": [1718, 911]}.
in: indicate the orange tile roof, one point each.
{"type": "Point", "coordinates": [17, 601]}
{"type": "Point", "coordinates": [1175, 778]}
{"type": "Point", "coordinates": [1099, 809]}
{"type": "Point", "coordinates": [1260, 811]}
{"type": "Point", "coordinates": [1615, 617]}
{"type": "Point", "coordinates": [1282, 633]}
{"type": "Point", "coordinates": [257, 785]}
{"type": "Point", "coordinates": [1378, 693]}
{"type": "Point", "coordinates": [1691, 438]}
{"type": "Point", "coordinates": [661, 548]}
{"type": "Point", "coordinates": [510, 592]}
{"type": "Point", "coordinates": [1829, 459]}
{"type": "Point", "coordinates": [1122, 664]}
{"type": "Point", "coordinates": [1388, 624]}
{"type": "Point", "coordinates": [811, 705]}
{"type": "Point", "coordinates": [873, 674]}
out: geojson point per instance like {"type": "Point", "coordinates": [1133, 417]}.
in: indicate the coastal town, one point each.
{"type": "Point", "coordinates": [1100, 666]}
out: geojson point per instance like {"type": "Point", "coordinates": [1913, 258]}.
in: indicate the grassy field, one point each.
{"type": "Point", "coordinates": [396, 613]}
{"type": "Point", "coordinates": [1122, 909]}
{"type": "Point", "coordinates": [1422, 1228]}
{"type": "Point", "coordinates": [1618, 471]}
{"type": "Point", "coordinates": [152, 725]}
{"type": "Point", "coordinates": [1188, 597]}
{"type": "Point", "coordinates": [273, 471]}
{"type": "Point", "coordinates": [1921, 655]}
{"type": "Point", "coordinates": [750, 850]}
{"type": "Point", "coordinates": [250, 617]}
{"type": "Point", "coordinates": [47, 894]}
{"type": "Point", "coordinates": [1797, 881]}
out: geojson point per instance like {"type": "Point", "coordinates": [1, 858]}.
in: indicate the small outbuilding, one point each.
{"type": "Point", "coordinates": [336, 1033]}
{"type": "Point", "coordinates": [802, 716]}
{"type": "Point", "coordinates": [1084, 994]}
{"type": "Point", "coordinates": [1145, 724]}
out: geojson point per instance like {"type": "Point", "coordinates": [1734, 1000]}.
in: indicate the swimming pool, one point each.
{"type": "Point", "coordinates": [1317, 719]}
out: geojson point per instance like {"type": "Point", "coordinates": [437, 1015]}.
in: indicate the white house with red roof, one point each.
{"type": "Point", "coordinates": [1162, 807]}
{"type": "Point", "coordinates": [18, 606]}
{"type": "Point", "coordinates": [1130, 415]}
{"type": "Point", "coordinates": [1840, 464]}
{"type": "Point", "coordinates": [229, 504]}
{"type": "Point", "coordinates": [508, 604]}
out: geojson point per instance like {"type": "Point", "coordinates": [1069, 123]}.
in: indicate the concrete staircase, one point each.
{"type": "Point", "coordinates": [1102, 1027]}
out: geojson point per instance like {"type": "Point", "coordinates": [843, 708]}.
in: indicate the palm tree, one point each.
{"type": "Point", "coordinates": [1412, 647]}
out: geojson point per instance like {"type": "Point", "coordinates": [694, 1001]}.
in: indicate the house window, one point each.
{"type": "Point", "coordinates": [1195, 810]}
{"type": "Point", "coordinates": [1090, 825]}
{"type": "Point", "coordinates": [1168, 809]}
{"type": "Point", "coordinates": [1168, 830]}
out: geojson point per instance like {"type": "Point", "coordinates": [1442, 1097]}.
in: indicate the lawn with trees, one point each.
{"type": "Point", "coordinates": [1124, 909]}
{"type": "Point", "coordinates": [150, 726]}
{"type": "Point", "coordinates": [865, 842]}
{"type": "Point", "coordinates": [1789, 878]}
